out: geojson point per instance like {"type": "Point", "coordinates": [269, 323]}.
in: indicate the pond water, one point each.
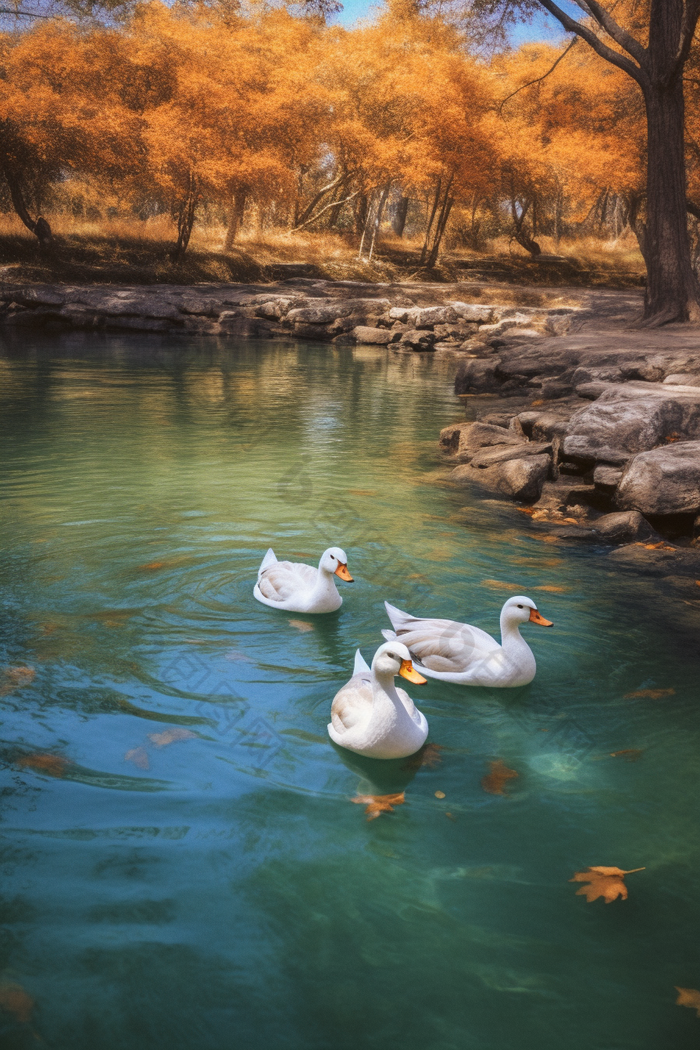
{"type": "Point", "coordinates": [183, 866]}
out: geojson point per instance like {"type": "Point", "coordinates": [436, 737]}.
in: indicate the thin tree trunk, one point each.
{"type": "Point", "coordinates": [235, 220]}
{"type": "Point", "coordinates": [445, 210]}
{"type": "Point", "coordinates": [184, 215]}
{"type": "Point", "coordinates": [39, 227]}
{"type": "Point", "coordinates": [428, 228]}
{"type": "Point", "coordinates": [378, 219]}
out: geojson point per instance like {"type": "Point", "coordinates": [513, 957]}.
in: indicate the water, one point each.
{"type": "Point", "coordinates": [182, 864]}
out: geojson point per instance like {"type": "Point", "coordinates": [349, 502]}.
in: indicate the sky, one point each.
{"type": "Point", "coordinates": [543, 27]}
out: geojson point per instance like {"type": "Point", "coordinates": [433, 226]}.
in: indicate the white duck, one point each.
{"type": "Point", "coordinates": [371, 716]}
{"type": "Point", "coordinates": [458, 652]}
{"type": "Point", "coordinates": [301, 588]}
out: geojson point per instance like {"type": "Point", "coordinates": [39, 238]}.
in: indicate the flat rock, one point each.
{"type": "Point", "coordinates": [417, 339]}
{"type": "Point", "coordinates": [488, 457]}
{"type": "Point", "coordinates": [464, 439]}
{"type": "Point", "coordinates": [378, 336]}
{"type": "Point", "coordinates": [607, 476]}
{"type": "Point", "coordinates": [663, 481]}
{"type": "Point", "coordinates": [638, 557]}
{"type": "Point", "coordinates": [519, 479]}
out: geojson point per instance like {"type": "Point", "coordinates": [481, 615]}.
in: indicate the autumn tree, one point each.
{"type": "Point", "coordinates": [651, 43]}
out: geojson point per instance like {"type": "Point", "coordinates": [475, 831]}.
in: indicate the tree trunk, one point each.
{"type": "Point", "coordinates": [398, 216]}
{"type": "Point", "coordinates": [672, 292]}
{"type": "Point", "coordinates": [424, 253]}
{"type": "Point", "coordinates": [184, 215]}
{"type": "Point", "coordinates": [235, 219]}
{"type": "Point", "coordinates": [40, 228]}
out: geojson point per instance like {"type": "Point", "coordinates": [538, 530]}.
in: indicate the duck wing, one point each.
{"type": "Point", "coordinates": [284, 579]}
{"type": "Point", "coordinates": [445, 645]}
{"type": "Point", "coordinates": [352, 705]}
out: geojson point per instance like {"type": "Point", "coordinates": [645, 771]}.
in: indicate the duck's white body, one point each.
{"type": "Point", "coordinates": [296, 587]}
{"type": "Point", "coordinates": [371, 716]}
{"type": "Point", "coordinates": [458, 652]}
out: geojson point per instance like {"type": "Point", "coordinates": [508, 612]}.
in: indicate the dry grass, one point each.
{"type": "Point", "coordinates": [133, 251]}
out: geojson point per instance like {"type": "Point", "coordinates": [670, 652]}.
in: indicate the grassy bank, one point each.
{"type": "Point", "coordinates": [140, 253]}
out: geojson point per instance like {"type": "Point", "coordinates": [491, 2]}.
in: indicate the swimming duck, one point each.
{"type": "Point", "coordinates": [301, 588]}
{"type": "Point", "coordinates": [458, 652]}
{"type": "Point", "coordinates": [370, 716]}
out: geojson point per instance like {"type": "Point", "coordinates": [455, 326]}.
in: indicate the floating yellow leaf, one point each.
{"type": "Point", "coordinates": [631, 754]}
{"type": "Point", "coordinates": [139, 756]}
{"type": "Point", "coordinates": [603, 882]}
{"type": "Point", "coordinates": [689, 997]}
{"type": "Point", "coordinates": [301, 625]}
{"type": "Point", "coordinates": [499, 585]}
{"type": "Point", "coordinates": [649, 694]}
{"type": "Point", "coordinates": [170, 736]}
{"type": "Point", "coordinates": [552, 588]}
{"type": "Point", "coordinates": [16, 678]}
{"type": "Point", "coordinates": [52, 765]}
{"type": "Point", "coordinates": [428, 757]}
{"type": "Point", "coordinates": [439, 794]}
{"type": "Point", "coordinates": [494, 781]}
{"type": "Point", "coordinates": [378, 804]}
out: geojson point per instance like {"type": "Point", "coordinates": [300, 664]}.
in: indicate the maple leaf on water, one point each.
{"type": "Point", "coordinates": [428, 757]}
{"type": "Point", "coordinates": [170, 736]}
{"type": "Point", "coordinates": [603, 882]}
{"type": "Point", "coordinates": [688, 997]}
{"type": "Point", "coordinates": [493, 782]}
{"type": "Point", "coordinates": [649, 694]}
{"type": "Point", "coordinates": [378, 804]}
{"type": "Point", "coordinates": [53, 765]}
{"type": "Point", "coordinates": [16, 678]}
{"type": "Point", "coordinates": [139, 756]}
{"type": "Point", "coordinates": [16, 1001]}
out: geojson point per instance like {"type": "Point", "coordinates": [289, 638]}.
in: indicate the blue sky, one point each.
{"type": "Point", "coordinates": [543, 27]}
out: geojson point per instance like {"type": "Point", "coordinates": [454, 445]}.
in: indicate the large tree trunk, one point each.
{"type": "Point", "coordinates": [672, 292]}
{"type": "Point", "coordinates": [398, 216]}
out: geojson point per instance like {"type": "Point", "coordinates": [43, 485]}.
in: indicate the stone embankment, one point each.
{"type": "Point", "coordinates": [408, 318]}
{"type": "Point", "coordinates": [597, 433]}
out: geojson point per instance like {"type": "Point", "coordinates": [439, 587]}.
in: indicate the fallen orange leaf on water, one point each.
{"type": "Point", "coordinates": [428, 757]}
{"type": "Point", "coordinates": [139, 756]}
{"type": "Point", "coordinates": [688, 997]}
{"type": "Point", "coordinates": [649, 694]}
{"type": "Point", "coordinates": [16, 1001]}
{"type": "Point", "coordinates": [439, 794]}
{"type": "Point", "coordinates": [603, 882]}
{"type": "Point", "coordinates": [170, 736]}
{"type": "Point", "coordinates": [499, 585]}
{"type": "Point", "coordinates": [493, 782]}
{"type": "Point", "coordinates": [53, 765]}
{"type": "Point", "coordinates": [551, 588]}
{"type": "Point", "coordinates": [301, 625]}
{"type": "Point", "coordinates": [377, 804]}
{"type": "Point", "coordinates": [629, 753]}
{"type": "Point", "coordinates": [16, 678]}
{"type": "Point", "coordinates": [151, 566]}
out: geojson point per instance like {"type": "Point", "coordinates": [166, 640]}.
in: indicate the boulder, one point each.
{"type": "Point", "coordinates": [203, 305]}
{"type": "Point", "coordinates": [488, 456]}
{"type": "Point", "coordinates": [625, 527]}
{"type": "Point", "coordinates": [478, 376]}
{"type": "Point", "coordinates": [606, 476]}
{"type": "Point", "coordinates": [481, 314]}
{"type": "Point", "coordinates": [630, 419]}
{"type": "Point", "coordinates": [464, 439]}
{"type": "Point", "coordinates": [682, 379]}
{"type": "Point", "coordinates": [378, 336]}
{"type": "Point", "coordinates": [325, 311]}
{"type": "Point", "coordinates": [433, 315]}
{"type": "Point", "coordinates": [663, 481]}
{"type": "Point", "coordinates": [417, 340]}
{"type": "Point", "coordinates": [519, 479]}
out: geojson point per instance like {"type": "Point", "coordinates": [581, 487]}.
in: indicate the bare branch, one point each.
{"type": "Point", "coordinates": [611, 27]}
{"type": "Point", "coordinates": [613, 57]}
{"type": "Point", "coordinates": [691, 14]}
{"type": "Point", "coordinates": [538, 80]}
{"type": "Point", "coordinates": [333, 204]}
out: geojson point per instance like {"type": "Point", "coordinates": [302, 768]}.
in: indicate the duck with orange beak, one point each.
{"type": "Point", "coordinates": [296, 587]}
{"type": "Point", "coordinates": [458, 652]}
{"type": "Point", "coordinates": [370, 716]}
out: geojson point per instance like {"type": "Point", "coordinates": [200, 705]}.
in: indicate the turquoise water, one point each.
{"type": "Point", "coordinates": [182, 863]}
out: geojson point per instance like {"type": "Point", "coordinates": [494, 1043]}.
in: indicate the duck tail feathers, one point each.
{"type": "Point", "coordinates": [396, 616]}
{"type": "Point", "coordinates": [361, 664]}
{"type": "Point", "coordinates": [269, 559]}
{"type": "Point", "coordinates": [389, 635]}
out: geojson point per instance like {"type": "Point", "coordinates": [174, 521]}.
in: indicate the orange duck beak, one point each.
{"type": "Point", "coordinates": [406, 671]}
{"type": "Point", "coordinates": [536, 618]}
{"type": "Point", "coordinates": [342, 572]}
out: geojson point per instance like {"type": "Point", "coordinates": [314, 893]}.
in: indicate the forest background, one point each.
{"type": "Point", "coordinates": [219, 138]}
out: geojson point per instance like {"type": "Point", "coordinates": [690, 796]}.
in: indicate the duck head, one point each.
{"type": "Point", "coordinates": [522, 610]}
{"type": "Point", "coordinates": [393, 658]}
{"type": "Point", "coordinates": [335, 561]}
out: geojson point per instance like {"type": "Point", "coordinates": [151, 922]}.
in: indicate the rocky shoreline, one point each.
{"type": "Point", "coordinates": [592, 427]}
